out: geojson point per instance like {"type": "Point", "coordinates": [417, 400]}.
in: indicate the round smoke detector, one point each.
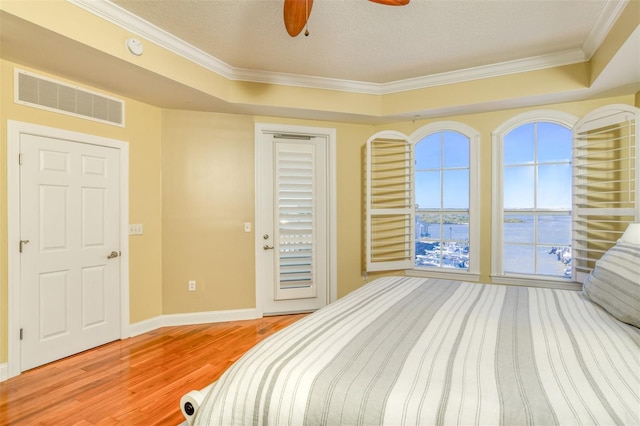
{"type": "Point", "coordinates": [135, 46]}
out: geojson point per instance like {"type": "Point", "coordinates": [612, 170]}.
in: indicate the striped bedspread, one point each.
{"type": "Point", "coordinates": [414, 351]}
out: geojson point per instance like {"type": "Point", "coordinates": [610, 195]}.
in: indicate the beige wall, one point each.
{"type": "Point", "coordinates": [208, 193]}
{"type": "Point", "coordinates": [143, 135]}
{"type": "Point", "coordinates": [208, 188]}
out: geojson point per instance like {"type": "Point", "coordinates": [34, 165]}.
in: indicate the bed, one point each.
{"type": "Point", "coordinates": [416, 351]}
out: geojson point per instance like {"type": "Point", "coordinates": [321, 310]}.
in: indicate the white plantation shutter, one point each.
{"type": "Point", "coordinates": [389, 202]}
{"type": "Point", "coordinates": [605, 179]}
{"type": "Point", "coordinates": [296, 214]}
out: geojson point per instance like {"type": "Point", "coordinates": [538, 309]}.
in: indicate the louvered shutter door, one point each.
{"type": "Point", "coordinates": [605, 180]}
{"type": "Point", "coordinates": [389, 203]}
{"type": "Point", "coordinates": [296, 213]}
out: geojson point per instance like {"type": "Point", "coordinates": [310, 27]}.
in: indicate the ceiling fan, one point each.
{"type": "Point", "coordinates": [296, 13]}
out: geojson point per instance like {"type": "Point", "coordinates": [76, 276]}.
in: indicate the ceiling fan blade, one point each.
{"type": "Point", "coordinates": [296, 14]}
{"type": "Point", "coordinates": [392, 2]}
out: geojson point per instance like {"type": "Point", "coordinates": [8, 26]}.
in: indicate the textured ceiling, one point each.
{"type": "Point", "coordinates": [358, 40]}
{"type": "Point", "coordinates": [354, 46]}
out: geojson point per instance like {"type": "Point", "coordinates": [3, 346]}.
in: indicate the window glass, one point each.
{"type": "Point", "coordinates": [518, 187]}
{"type": "Point", "coordinates": [442, 201]}
{"type": "Point", "coordinates": [518, 145]}
{"type": "Point", "coordinates": [519, 259]}
{"type": "Point", "coordinates": [456, 150]}
{"type": "Point", "coordinates": [430, 224]}
{"type": "Point", "coordinates": [554, 261]}
{"type": "Point", "coordinates": [518, 228]}
{"type": "Point", "coordinates": [458, 227]}
{"type": "Point", "coordinates": [428, 190]}
{"type": "Point", "coordinates": [554, 229]}
{"type": "Point", "coordinates": [554, 142]}
{"type": "Point", "coordinates": [456, 189]}
{"type": "Point", "coordinates": [554, 187]}
{"type": "Point", "coordinates": [537, 179]}
{"type": "Point", "coordinates": [428, 152]}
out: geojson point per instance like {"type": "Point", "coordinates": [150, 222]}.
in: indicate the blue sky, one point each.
{"type": "Point", "coordinates": [553, 153]}
{"type": "Point", "coordinates": [450, 150]}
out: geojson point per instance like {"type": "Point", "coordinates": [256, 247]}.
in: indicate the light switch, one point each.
{"type": "Point", "coordinates": [247, 227]}
{"type": "Point", "coordinates": [135, 229]}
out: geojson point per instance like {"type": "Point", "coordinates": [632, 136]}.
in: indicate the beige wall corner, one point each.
{"type": "Point", "coordinates": [626, 24]}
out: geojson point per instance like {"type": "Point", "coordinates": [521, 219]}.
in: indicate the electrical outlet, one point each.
{"type": "Point", "coordinates": [247, 227]}
{"type": "Point", "coordinates": [135, 229]}
{"type": "Point", "coordinates": [192, 285]}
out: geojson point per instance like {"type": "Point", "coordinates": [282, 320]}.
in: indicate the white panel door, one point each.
{"type": "Point", "coordinates": [293, 232]}
{"type": "Point", "coordinates": [69, 261]}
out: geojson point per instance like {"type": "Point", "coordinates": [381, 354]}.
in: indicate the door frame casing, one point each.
{"type": "Point", "coordinates": [329, 135]}
{"type": "Point", "coordinates": [14, 131]}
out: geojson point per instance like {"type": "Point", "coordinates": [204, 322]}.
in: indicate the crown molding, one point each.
{"type": "Point", "coordinates": [130, 22]}
{"type": "Point", "coordinates": [458, 76]}
{"type": "Point", "coordinates": [487, 71]}
{"type": "Point", "coordinates": [610, 14]}
{"type": "Point", "coordinates": [306, 81]}
{"type": "Point", "coordinates": [113, 13]}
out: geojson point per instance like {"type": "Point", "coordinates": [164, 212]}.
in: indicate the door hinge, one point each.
{"type": "Point", "coordinates": [21, 334]}
{"type": "Point", "coordinates": [20, 159]}
{"type": "Point", "coordinates": [22, 243]}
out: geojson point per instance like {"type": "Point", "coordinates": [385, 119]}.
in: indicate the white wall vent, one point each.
{"type": "Point", "coordinates": [45, 93]}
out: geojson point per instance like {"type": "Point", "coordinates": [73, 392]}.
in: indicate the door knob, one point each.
{"type": "Point", "coordinates": [113, 255]}
{"type": "Point", "coordinates": [267, 247]}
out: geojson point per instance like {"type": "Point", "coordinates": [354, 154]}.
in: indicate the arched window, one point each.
{"type": "Point", "coordinates": [532, 194]}
{"type": "Point", "coordinates": [446, 194]}
{"type": "Point", "coordinates": [422, 201]}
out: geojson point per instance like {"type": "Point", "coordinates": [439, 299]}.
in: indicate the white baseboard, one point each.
{"type": "Point", "coordinates": [174, 320]}
{"type": "Point", "coordinates": [190, 319]}
{"type": "Point", "coordinates": [207, 317]}
{"type": "Point", "coordinates": [145, 326]}
{"type": "Point", "coordinates": [4, 372]}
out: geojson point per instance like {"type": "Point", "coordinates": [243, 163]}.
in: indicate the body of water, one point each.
{"type": "Point", "coordinates": [551, 257]}
{"type": "Point", "coordinates": [452, 252]}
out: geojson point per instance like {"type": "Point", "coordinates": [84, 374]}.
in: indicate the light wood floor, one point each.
{"type": "Point", "coordinates": [137, 381]}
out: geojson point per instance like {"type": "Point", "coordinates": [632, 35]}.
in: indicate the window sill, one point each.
{"type": "Point", "coordinates": [518, 280]}
{"type": "Point", "coordinates": [448, 275]}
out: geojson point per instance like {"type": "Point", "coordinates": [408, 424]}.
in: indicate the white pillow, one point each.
{"type": "Point", "coordinates": [632, 234]}
{"type": "Point", "coordinates": [614, 283]}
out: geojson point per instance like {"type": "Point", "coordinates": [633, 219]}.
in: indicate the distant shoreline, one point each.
{"type": "Point", "coordinates": [457, 220]}
{"type": "Point", "coordinates": [513, 220]}
{"type": "Point", "coordinates": [447, 219]}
